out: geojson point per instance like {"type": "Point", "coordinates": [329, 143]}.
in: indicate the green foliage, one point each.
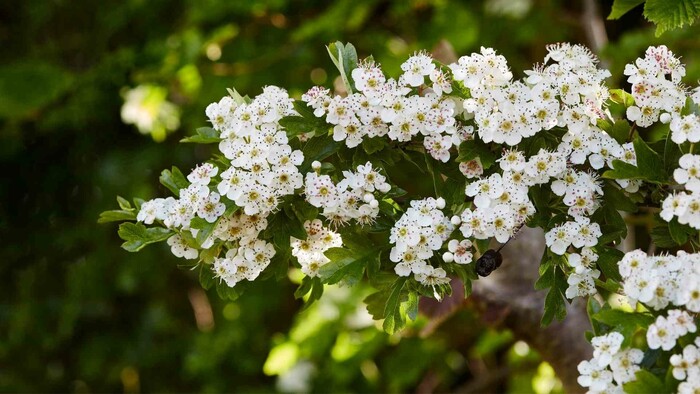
{"type": "Point", "coordinates": [137, 236]}
{"type": "Point", "coordinates": [645, 383]}
{"type": "Point", "coordinates": [174, 180]}
{"type": "Point", "coordinates": [665, 14]}
{"type": "Point", "coordinates": [205, 135]}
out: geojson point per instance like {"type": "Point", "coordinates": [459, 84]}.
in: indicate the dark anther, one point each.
{"type": "Point", "coordinates": [488, 262]}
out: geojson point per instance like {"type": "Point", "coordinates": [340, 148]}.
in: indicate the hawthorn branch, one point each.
{"type": "Point", "coordinates": [507, 299]}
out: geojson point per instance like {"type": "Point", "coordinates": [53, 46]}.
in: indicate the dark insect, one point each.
{"type": "Point", "coordinates": [488, 262]}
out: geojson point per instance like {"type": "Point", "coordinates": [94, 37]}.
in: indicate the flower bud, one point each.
{"type": "Point", "coordinates": [440, 203]}
{"type": "Point", "coordinates": [448, 257]}
{"type": "Point", "coordinates": [456, 220]}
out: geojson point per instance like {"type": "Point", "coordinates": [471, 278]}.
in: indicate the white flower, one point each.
{"type": "Point", "coordinates": [593, 375]}
{"type": "Point", "coordinates": [180, 248]}
{"type": "Point", "coordinates": [662, 334]}
{"type": "Point", "coordinates": [416, 68]}
{"type": "Point", "coordinates": [606, 346]}
{"type": "Point", "coordinates": [625, 364]}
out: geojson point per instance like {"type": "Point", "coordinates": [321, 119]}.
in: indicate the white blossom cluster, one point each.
{"type": "Point", "coordinates": [665, 331]}
{"type": "Point", "coordinates": [245, 262]}
{"type": "Point", "coordinates": [263, 168]}
{"type": "Point", "coordinates": [657, 89]}
{"type": "Point", "coordinates": [501, 201]}
{"type": "Point", "coordinates": [611, 366]}
{"type": "Point", "coordinates": [416, 236]}
{"type": "Point", "coordinates": [683, 205]}
{"type": "Point", "coordinates": [660, 281]}
{"type": "Point", "coordinates": [351, 199]}
{"type": "Point", "coordinates": [582, 235]}
{"type": "Point", "coordinates": [567, 93]}
{"type": "Point", "coordinates": [387, 107]}
{"type": "Point", "coordinates": [310, 252]}
{"type": "Point", "coordinates": [686, 368]}
{"type": "Point", "coordinates": [263, 165]}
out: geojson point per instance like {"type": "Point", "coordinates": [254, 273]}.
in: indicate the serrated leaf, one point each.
{"type": "Point", "coordinates": [345, 265]}
{"type": "Point", "coordinates": [645, 383]}
{"type": "Point", "coordinates": [671, 14]}
{"type": "Point", "coordinates": [621, 7]}
{"type": "Point", "coordinates": [608, 259]}
{"type": "Point", "coordinates": [393, 320]}
{"type": "Point", "coordinates": [205, 135]}
{"type": "Point", "coordinates": [649, 162]}
{"type": "Point", "coordinates": [661, 236]}
{"type": "Point", "coordinates": [472, 149]}
{"type": "Point", "coordinates": [137, 236]}
{"type": "Point", "coordinates": [679, 232]}
{"type": "Point", "coordinates": [174, 180]}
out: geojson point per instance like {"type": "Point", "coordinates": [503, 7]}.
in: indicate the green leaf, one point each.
{"type": "Point", "coordinates": [649, 162]}
{"type": "Point", "coordinates": [618, 198]}
{"type": "Point", "coordinates": [124, 204]}
{"type": "Point", "coordinates": [621, 97]}
{"type": "Point", "coordinates": [26, 88]}
{"type": "Point", "coordinates": [205, 135]}
{"type": "Point", "coordinates": [554, 306]}
{"type": "Point", "coordinates": [593, 307]}
{"type": "Point", "coordinates": [608, 259]}
{"type": "Point", "coordinates": [231, 293]}
{"type": "Point", "coordinates": [645, 383]}
{"type": "Point", "coordinates": [615, 317]}
{"type": "Point", "coordinates": [316, 288]}
{"type": "Point", "coordinates": [206, 276]}
{"type": "Point", "coordinates": [304, 288]}
{"type": "Point", "coordinates": [472, 149]}
{"type": "Point", "coordinates": [621, 7]}
{"type": "Point", "coordinates": [205, 229]}
{"type": "Point", "coordinates": [137, 236]}
{"type": "Point", "coordinates": [295, 125]}
{"type": "Point", "coordinates": [346, 265]}
{"type": "Point", "coordinates": [304, 211]}
{"type": "Point", "coordinates": [318, 148]}
{"type": "Point", "coordinates": [661, 236]}
{"type": "Point", "coordinates": [671, 14]}
{"type": "Point", "coordinates": [555, 301]}
{"type": "Point", "coordinates": [672, 153]}
{"type": "Point", "coordinates": [174, 180]}
{"type": "Point", "coordinates": [679, 232]}
{"type": "Point", "coordinates": [393, 319]}
{"type": "Point", "coordinates": [373, 145]}
{"type": "Point", "coordinates": [116, 216]}
{"type": "Point", "coordinates": [650, 166]}
{"type": "Point", "coordinates": [344, 56]}
{"type": "Point", "coordinates": [620, 131]}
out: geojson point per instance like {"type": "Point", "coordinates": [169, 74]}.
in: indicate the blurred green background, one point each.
{"type": "Point", "coordinates": [94, 97]}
